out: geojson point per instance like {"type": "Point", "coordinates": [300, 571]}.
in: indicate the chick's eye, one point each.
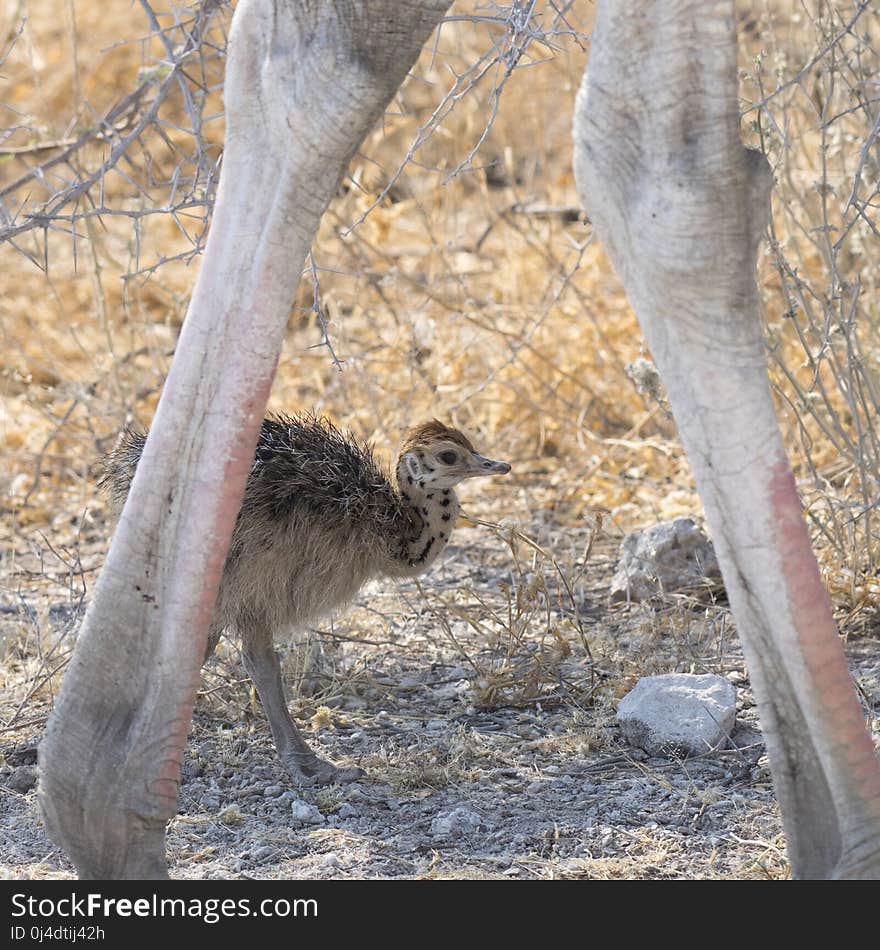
{"type": "Point", "coordinates": [448, 458]}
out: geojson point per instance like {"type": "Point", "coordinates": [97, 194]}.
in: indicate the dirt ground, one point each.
{"type": "Point", "coordinates": [481, 705]}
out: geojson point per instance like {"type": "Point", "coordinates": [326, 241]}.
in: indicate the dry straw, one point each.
{"type": "Point", "coordinates": [453, 276]}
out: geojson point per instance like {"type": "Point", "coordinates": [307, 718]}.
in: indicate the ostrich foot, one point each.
{"type": "Point", "coordinates": [309, 770]}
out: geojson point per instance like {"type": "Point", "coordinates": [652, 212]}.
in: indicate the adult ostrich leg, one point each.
{"type": "Point", "coordinates": [305, 82]}
{"type": "Point", "coordinates": [681, 206]}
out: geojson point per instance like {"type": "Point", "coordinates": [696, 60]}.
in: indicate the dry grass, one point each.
{"type": "Point", "coordinates": [461, 285]}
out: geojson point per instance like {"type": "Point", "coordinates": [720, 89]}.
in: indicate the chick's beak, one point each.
{"type": "Point", "coordinates": [480, 465]}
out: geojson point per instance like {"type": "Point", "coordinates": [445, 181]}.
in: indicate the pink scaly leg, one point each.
{"type": "Point", "coordinates": [305, 82]}
{"type": "Point", "coordinates": [681, 207]}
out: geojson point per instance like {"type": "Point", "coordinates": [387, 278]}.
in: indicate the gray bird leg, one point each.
{"type": "Point", "coordinates": [264, 669]}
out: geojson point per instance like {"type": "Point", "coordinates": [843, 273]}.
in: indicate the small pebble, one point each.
{"type": "Point", "coordinates": [455, 823]}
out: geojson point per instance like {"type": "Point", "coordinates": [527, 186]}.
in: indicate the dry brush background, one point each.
{"type": "Point", "coordinates": [453, 276]}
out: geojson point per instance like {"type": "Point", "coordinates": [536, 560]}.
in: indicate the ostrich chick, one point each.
{"type": "Point", "coordinates": [319, 519]}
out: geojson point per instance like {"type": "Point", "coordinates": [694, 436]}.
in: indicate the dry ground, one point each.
{"type": "Point", "coordinates": [481, 704]}
{"type": "Point", "coordinates": [485, 701]}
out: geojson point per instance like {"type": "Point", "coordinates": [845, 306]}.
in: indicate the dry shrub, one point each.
{"type": "Point", "coordinates": [461, 283]}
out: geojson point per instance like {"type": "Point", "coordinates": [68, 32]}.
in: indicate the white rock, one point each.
{"type": "Point", "coordinates": [671, 556]}
{"type": "Point", "coordinates": [455, 823]}
{"type": "Point", "coordinates": [306, 814]}
{"type": "Point", "coordinates": [679, 713]}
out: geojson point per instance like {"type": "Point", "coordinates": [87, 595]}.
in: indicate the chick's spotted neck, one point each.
{"type": "Point", "coordinates": [432, 512]}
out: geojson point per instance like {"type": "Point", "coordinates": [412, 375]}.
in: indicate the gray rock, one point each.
{"type": "Point", "coordinates": [674, 555]}
{"type": "Point", "coordinates": [453, 824]}
{"type": "Point", "coordinates": [679, 713]}
{"type": "Point", "coordinates": [23, 779]}
{"type": "Point", "coordinates": [306, 814]}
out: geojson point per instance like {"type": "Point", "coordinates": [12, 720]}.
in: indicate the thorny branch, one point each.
{"type": "Point", "coordinates": [133, 127]}
{"type": "Point", "coordinates": [141, 120]}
